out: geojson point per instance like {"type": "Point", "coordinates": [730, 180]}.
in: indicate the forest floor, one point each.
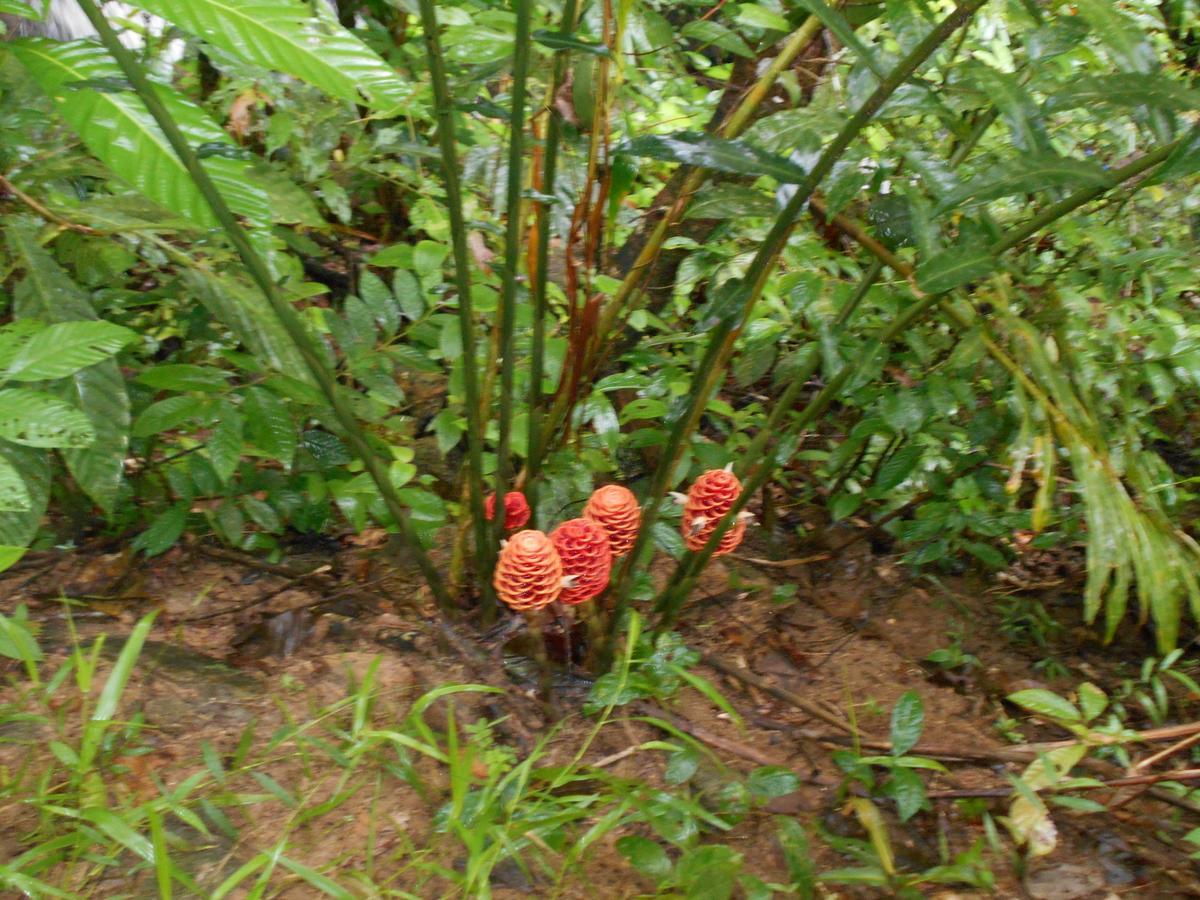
{"type": "Point", "coordinates": [239, 644]}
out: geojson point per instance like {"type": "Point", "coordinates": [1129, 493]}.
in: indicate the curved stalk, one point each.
{"type": "Point", "coordinates": [262, 277]}
{"type": "Point", "coordinates": [444, 112]}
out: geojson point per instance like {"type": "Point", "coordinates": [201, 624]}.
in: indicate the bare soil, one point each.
{"type": "Point", "coordinates": [237, 642]}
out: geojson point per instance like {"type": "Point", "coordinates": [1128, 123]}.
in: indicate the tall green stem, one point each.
{"type": "Point", "coordinates": [737, 307]}
{"type": "Point", "coordinates": [538, 355]}
{"type": "Point", "coordinates": [683, 579]}
{"type": "Point", "coordinates": [444, 112]}
{"type": "Point", "coordinates": [512, 254]}
{"type": "Point", "coordinates": [262, 277]}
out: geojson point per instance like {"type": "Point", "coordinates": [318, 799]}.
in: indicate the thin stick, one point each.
{"type": "Point", "coordinates": [787, 696]}
{"type": "Point", "coordinates": [262, 276]}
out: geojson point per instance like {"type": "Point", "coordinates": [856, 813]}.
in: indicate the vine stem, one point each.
{"type": "Point", "coordinates": [485, 547]}
{"type": "Point", "coordinates": [683, 579]}
{"type": "Point", "coordinates": [735, 307]}
{"type": "Point", "coordinates": [262, 277]}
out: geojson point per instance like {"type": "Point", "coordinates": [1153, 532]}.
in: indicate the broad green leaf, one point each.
{"type": "Point", "coordinates": [558, 40]}
{"type": "Point", "coordinates": [14, 495]}
{"type": "Point", "coordinates": [896, 469]}
{"type": "Point", "coordinates": [99, 391]}
{"type": "Point", "coordinates": [119, 130]}
{"type": "Point", "coordinates": [270, 426]}
{"type": "Point", "coordinates": [37, 419]}
{"type": "Point", "coordinates": [1046, 703]}
{"type": "Point", "coordinates": [284, 35]}
{"type": "Point", "coordinates": [956, 266]}
{"type": "Point", "coordinates": [380, 300]}
{"type": "Point", "coordinates": [706, 31]}
{"type": "Point", "coordinates": [47, 293]}
{"type": "Point", "coordinates": [17, 528]}
{"type": "Point", "coordinates": [243, 309]}
{"type": "Point", "coordinates": [167, 415]}
{"type": "Point", "coordinates": [705, 151]}
{"type": "Point", "coordinates": [768, 782]}
{"type": "Point", "coordinates": [184, 377]}
{"type": "Point", "coordinates": [908, 790]}
{"type": "Point", "coordinates": [1092, 700]}
{"type": "Point", "coordinates": [225, 442]}
{"type": "Point", "coordinates": [708, 871]}
{"type": "Point", "coordinates": [647, 857]}
{"type": "Point", "coordinates": [760, 17]}
{"type": "Point", "coordinates": [163, 532]}
{"type": "Point", "coordinates": [1126, 89]}
{"type": "Point", "coordinates": [64, 348]}
{"type": "Point", "coordinates": [908, 719]}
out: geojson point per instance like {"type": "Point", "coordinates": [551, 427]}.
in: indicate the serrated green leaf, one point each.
{"type": "Point", "coordinates": [64, 348]}
{"type": "Point", "coordinates": [163, 532]}
{"type": "Point", "coordinates": [270, 425]}
{"type": "Point", "coordinates": [37, 419]}
{"type": "Point", "coordinates": [951, 268]}
{"type": "Point", "coordinates": [1026, 176]}
{"type": "Point", "coordinates": [897, 468]}
{"type": "Point", "coordinates": [284, 35]}
{"type": "Point", "coordinates": [225, 442]}
{"type": "Point", "coordinates": [708, 152]}
{"type": "Point", "coordinates": [1125, 89]}
{"type": "Point", "coordinates": [380, 300]}
{"type": "Point", "coordinates": [120, 131]}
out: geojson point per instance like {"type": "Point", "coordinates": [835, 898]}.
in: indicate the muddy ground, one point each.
{"type": "Point", "coordinates": [238, 642]}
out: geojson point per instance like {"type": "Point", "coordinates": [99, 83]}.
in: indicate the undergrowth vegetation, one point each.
{"type": "Point", "coordinates": [275, 270]}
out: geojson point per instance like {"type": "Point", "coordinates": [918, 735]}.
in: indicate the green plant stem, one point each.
{"type": "Point", "coordinates": [683, 579]}
{"type": "Point", "coordinates": [262, 276]}
{"type": "Point", "coordinates": [746, 294]}
{"type": "Point", "coordinates": [485, 547]}
{"type": "Point", "coordinates": [512, 253]}
{"type": "Point", "coordinates": [537, 355]}
{"type": "Point", "coordinates": [622, 302]}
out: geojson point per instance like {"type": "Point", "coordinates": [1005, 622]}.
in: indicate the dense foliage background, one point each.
{"type": "Point", "coordinates": [923, 267]}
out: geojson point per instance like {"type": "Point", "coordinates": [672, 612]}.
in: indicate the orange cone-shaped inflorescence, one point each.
{"type": "Point", "coordinates": [616, 510]}
{"type": "Point", "coordinates": [583, 547]}
{"type": "Point", "coordinates": [710, 497]}
{"type": "Point", "coordinates": [516, 509]}
{"type": "Point", "coordinates": [529, 574]}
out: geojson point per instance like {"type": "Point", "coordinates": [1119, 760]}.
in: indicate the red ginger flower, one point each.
{"type": "Point", "coordinates": [709, 498]}
{"type": "Point", "coordinates": [616, 510]}
{"type": "Point", "coordinates": [583, 547]}
{"type": "Point", "coordinates": [516, 509]}
{"type": "Point", "coordinates": [529, 574]}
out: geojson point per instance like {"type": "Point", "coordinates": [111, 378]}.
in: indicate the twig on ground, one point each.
{"type": "Point", "coordinates": [781, 693]}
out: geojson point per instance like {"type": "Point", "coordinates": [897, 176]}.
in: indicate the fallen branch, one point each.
{"type": "Point", "coordinates": [781, 693]}
{"type": "Point", "coordinates": [1175, 775]}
